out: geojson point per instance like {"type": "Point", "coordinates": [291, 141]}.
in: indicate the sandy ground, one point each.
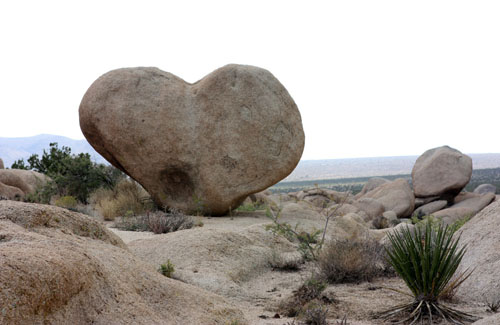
{"type": "Point", "coordinates": [358, 302]}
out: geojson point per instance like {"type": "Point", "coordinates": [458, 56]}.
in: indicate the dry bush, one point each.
{"type": "Point", "coordinates": [158, 222]}
{"type": "Point", "coordinates": [352, 260]}
{"type": "Point", "coordinates": [310, 290]}
{"type": "Point", "coordinates": [284, 261]}
{"type": "Point", "coordinates": [126, 198]}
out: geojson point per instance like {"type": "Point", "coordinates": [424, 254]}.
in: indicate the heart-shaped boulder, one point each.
{"type": "Point", "coordinates": [199, 147]}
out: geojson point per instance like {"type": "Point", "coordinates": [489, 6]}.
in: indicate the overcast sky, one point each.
{"type": "Point", "coordinates": [371, 78]}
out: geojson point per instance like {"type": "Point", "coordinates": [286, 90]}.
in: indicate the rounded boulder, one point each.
{"type": "Point", "coordinates": [201, 147]}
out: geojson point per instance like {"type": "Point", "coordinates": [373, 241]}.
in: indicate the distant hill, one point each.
{"type": "Point", "coordinates": [12, 149]}
{"type": "Point", "coordinates": [375, 166]}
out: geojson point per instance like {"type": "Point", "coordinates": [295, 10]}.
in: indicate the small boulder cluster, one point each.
{"type": "Point", "coordinates": [437, 182]}
{"type": "Point", "coordinates": [15, 184]}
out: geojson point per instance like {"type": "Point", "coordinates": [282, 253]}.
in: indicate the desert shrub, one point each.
{"type": "Point", "coordinates": [158, 222]}
{"type": "Point", "coordinates": [351, 260]}
{"type": "Point", "coordinates": [167, 269]}
{"type": "Point", "coordinates": [309, 290]}
{"type": "Point", "coordinates": [315, 315]}
{"type": "Point", "coordinates": [309, 243]}
{"type": "Point", "coordinates": [127, 198]}
{"type": "Point", "coordinates": [493, 304]}
{"type": "Point", "coordinates": [427, 259]}
{"type": "Point", "coordinates": [284, 262]}
{"type": "Point", "coordinates": [68, 202]}
{"type": "Point", "coordinates": [250, 207]}
{"type": "Point", "coordinates": [72, 175]}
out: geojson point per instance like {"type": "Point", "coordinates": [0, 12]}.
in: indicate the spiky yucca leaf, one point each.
{"type": "Point", "coordinates": [427, 259]}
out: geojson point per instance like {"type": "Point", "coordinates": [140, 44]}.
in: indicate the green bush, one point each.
{"type": "Point", "coordinates": [426, 259]}
{"type": "Point", "coordinates": [167, 269]}
{"type": "Point", "coordinates": [72, 175]}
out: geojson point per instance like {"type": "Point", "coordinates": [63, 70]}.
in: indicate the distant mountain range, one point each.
{"type": "Point", "coordinates": [12, 149]}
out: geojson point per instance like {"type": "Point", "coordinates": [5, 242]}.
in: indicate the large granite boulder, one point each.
{"type": "Point", "coordinates": [482, 238]}
{"type": "Point", "coordinates": [197, 147]}
{"type": "Point", "coordinates": [442, 172]}
{"type": "Point", "coordinates": [396, 196]}
{"type": "Point", "coordinates": [371, 184]}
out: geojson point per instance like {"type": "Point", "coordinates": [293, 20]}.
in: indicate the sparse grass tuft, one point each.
{"type": "Point", "coordinates": [158, 222]}
{"type": "Point", "coordinates": [127, 197]}
{"type": "Point", "coordinates": [351, 260]}
{"type": "Point", "coordinates": [311, 289]}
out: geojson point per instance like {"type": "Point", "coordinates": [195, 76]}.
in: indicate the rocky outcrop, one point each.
{"type": "Point", "coordinates": [485, 188]}
{"type": "Point", "coordinates": [482, 238]}
{"type": "Point", "coordinates": [396, 196]}
{"type": "Point", "coordinates": [61, 267]}
{"type": "Point", "coordinates": [442, 172]}
{"type": "Point", "coordinates": [25, 180]}
{"type": "Point", "coordinates": [10, 192]}
{"type": "Point", "coordinates": [465, 209]}
{"type": "Point", "coordinates": [430, 208]}
{"type": "Point", "coordinates": [371, 207]}
{"type": "Point", "coordinates": [372, 183]}
{"type": "Point", "coordinates": [1, 164]}
{"type": "Point", "coordinates": [208, 145]}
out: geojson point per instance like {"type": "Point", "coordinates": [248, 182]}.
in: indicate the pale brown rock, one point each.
{"type": "Point", "coordinates": [205, 145]}
{"type": "Point", "coordinates": [2, 166]}
{"type": "Point", "coordinates": [25, 180]}
{"type": "Point", "coordinates": [466, 208]}
{"type": "Point", "coordinates": [372, 183]}
{"type": "Point", "coordinates": [396, 196]}
{"type": "Point", "coordinates": [482, 238]}
{"type": "Point", "coordinates": [441, 171]}
{"type": "Point", "coordinates": [371, 207]}
{"type": "Point", "coordinates": [61, 267]}
{"type": "Point", "coordinates": [10, 192]}
{"type": "Point", "coordinates": [462, 196]}
{"type": "Point", "coordinates": [430, 208]}
{"type": "Point", "coordinates": [485, 188]}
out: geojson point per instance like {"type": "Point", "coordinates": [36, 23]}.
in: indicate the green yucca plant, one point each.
{"type": "Point", "coordinates": [427, 258]}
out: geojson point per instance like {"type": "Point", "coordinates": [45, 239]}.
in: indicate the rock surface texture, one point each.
{"type": "Point", "coordinates": [202, 146]}
{"type": "Point", "coordinates": [61, 267]}
{"type": "Point", "coordinates": [1, 164]}
{"type": "Point", "coordinates": [396, 196]}
{"type": "Point", "coordinates": [442, 171]}
{"type": "Point", "coordinates": [482, 238]}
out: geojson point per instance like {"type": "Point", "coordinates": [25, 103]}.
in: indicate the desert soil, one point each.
{"type": "Point", "coordinates": [264, 290]}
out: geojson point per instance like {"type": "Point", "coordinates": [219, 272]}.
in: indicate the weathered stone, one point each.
{"type": "Point", "coordinates": [396, 196]}
{"type": "Point", "coordinates": [485, 188]}
{"type": "Point", "coordinates": [371, 207]}
{"type": "Point", "coordinates": [441, 172]}
{"type": "Point", "coordinates": [2, 166]}
{"type": "Point", "coordinates": [419, 201]}
{"type": "Point", "coordinates": [207, 145]}
{"type": "Point", "coordinates": [465, 208]}
{"type": "Point", "coordinates": [482, 238]}
{"type": "Point", "coordinates": [372, 184]}
{"type": "Point", "coordinates": [10, 192]}
{"type": "Point", "coordinates": [25, 180]}
{"type": "Point", "coordinates": [430, 208]}
{"type": "Point", "coordinates": [462, 196]}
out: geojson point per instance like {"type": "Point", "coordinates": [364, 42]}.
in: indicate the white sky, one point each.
{"type": "Point", "coordinates": [371, 78]}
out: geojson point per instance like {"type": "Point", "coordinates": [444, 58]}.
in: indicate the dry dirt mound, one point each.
{"type": "Point", "coordinates": [61, 267]}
